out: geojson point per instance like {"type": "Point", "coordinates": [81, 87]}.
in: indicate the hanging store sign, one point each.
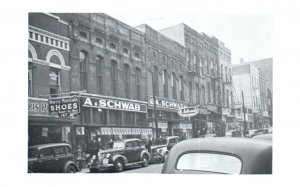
{"type": "Point", "coordinates": [63, 106]}
{"type": "Point", "coordinates": [188, 111]}
{"type": "Point", "coordinates": [165, 103]}
{"type": "Point", "coordinates": [38, 107]}
{"type": "Point", "coordinates": [108, 103]}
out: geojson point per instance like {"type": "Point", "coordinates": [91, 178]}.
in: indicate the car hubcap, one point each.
{"type": "Point", "coordinates": [119, 165]}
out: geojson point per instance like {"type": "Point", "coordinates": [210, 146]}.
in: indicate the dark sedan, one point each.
{"type": "Point", "coordinates": [220, 156]}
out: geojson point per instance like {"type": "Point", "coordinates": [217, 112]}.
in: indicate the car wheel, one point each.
{"type": "Point", "coordinates": [71, 169]}
{"type": "Point", "coordinates": [118, 165]}
{"type": "Point", "coordinates": [145, 158]}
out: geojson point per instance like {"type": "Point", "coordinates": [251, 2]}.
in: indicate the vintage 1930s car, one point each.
{"type": "Point", "coordinates": [163, 145]}
{"type": "Point", "coordinates": [51, 158]}
{"type": "Point", "coordinates": [220, 156]}
{"type": "Point", "coordinates": [123, 153]}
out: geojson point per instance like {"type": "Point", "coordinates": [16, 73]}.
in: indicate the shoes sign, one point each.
{"type": "Point", "coordinates": [64, 106]}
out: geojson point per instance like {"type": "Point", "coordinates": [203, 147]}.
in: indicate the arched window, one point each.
{"type": "Point", "coordinates": [203, 95]}
{"type": "Point", "coordinates": [83, 56]}
{"type": "Point", "coordinates": [83, 34]}
{"type": "Point", "coordinates": [99, 41]}
{"type": "Point", "coordinates": [113, 46]}
{"type": "Point", "coordinates": [165, 83]}
{"type": "Point", "coordinates": [181, 88]}
{"type": "Point", "coordinates": [174, 89]}
{"type": "Point", "coordinates": [99, 73]}
{"type": "Point", "coordinates": [138, 83]}
{"type": "Point", "coordinates": [125, 51]}
{"type": "Point", "coordinates": [127, 80]}
{"type": "Point", "coordinates": [137, 55]}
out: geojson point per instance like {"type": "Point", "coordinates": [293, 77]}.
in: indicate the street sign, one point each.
{"type": "Point", "coordinates": [188, 111]}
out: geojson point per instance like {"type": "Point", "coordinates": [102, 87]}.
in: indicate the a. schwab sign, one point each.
{"type": "Point", "coordinates": [110, 103]}
{"type": "Point", "coordinates": [164, 103]}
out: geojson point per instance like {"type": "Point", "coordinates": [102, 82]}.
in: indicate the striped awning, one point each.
{"type": "Point", "coordinates": [106, 131]}
{"type": "Point", "coordinates": [135, 131]}
{"type": "Point", "coordinates": [146, 131]}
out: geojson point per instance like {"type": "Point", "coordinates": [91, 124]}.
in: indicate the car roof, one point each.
{"type": "Point", "coordinates": [42, 146]}
{"type": "Point", "coordinates": [254, 154]}
{"type": "Point", "coordinates": [129, 139]}
{"type": "Point", "coordinates": [169, 137]}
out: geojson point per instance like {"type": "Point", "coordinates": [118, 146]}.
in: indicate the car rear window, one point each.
{"type": "Point", "coordinates": [209, 162]}
{"type": "Point", "coordinates": [59, 151]}
{"type": "Point", "coordinates": [47, 152]}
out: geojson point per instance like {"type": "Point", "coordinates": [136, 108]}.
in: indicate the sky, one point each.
{"type": "Point", "coordinates": [248, 36]}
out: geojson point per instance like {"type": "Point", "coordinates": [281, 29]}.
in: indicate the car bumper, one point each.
{"type": "Point", "coordinates": [101, 167]}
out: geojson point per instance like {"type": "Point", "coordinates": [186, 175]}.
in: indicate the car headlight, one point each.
{"type": "Point", "coordinates": [108, 156]}
{"type": "Point", "coordinates": [160, 150]}
{"type": "Point", "coordinates": [94, 157]}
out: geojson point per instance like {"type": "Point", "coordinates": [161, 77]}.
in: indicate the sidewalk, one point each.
{"type": "Point", "coordinates": [84, 170]}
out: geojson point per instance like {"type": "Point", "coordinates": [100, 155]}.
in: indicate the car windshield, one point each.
{"type": "Point", "coordinates": [209, 162]}
{"type": "Point", "coordinates": [160, 141]}
{"type": "Point", "coordinates": [119, 145]}
{"type": "Point", "coordinates": [32, 153]}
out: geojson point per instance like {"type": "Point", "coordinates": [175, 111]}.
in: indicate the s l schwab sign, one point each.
{"type": "Point", "coordinates": [108, 103]}
{"type": "Point", "coordinates": [188, 111]}
{"type": "Point", "coordinates": [63, 106]}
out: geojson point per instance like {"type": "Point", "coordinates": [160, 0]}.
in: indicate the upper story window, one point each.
{"type": "Point", "coordinates": [190, 92]}
{"type": "Point", "coordinates": [125, 51]}
{"type": "Point", "coordinates": [114, 77]}
{"type": "Point", "coordinates": [113, 46]}
{"type": "Point", "coordinates": [99, 41]}
{"type": "Point", "coordinates": [154, 54]}
{"type": "Point", "coordinates": [155, 81]}
{"type": "Point", "coordinates": [99, 72]}
{"type": "Point", "coordinates": [30, 85]}
{"type": "Point", "coordinates": [83, 34]}
{"type": "Point", "coordinates": [54, 76]}
{"type": "Point", "coordinates": [138, 83]}
{"type": "Point", "coordinates": [181, 88]}
{"type": "Point", "coordinates": [165, 83]}
{"type": "Point", "coordinates": [126, 80]}
{"type": "Point", "coordinates": [174, 90]}
{"type": "Point", "coordinates": [137, 55]}
{"type": "Point", "coordinates": [83, 56]}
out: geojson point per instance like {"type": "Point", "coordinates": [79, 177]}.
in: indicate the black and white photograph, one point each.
{"type": "Point", "coordinates": [132, 93]}
{"type": "Point", "coordinates": [104, 96]}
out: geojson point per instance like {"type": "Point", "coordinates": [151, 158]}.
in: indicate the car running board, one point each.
{"type": "Point", "coordinates": [134, 163]}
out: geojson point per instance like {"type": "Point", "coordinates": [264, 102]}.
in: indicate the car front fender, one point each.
{"type": "Point", "coordinates": [144, 152]}
{"type": "Point", "coordinates": [115, 157]}
{"type": "Point", "coordinates": [68, 163]}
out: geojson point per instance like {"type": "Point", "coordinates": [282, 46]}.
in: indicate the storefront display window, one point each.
{"type": "Point", "coordinates": [115, 118]}
{"type": "Point", "coordinates": [128, 119]}
{"type": "Point", "coordinates": [48, 134]}
{"type": "Point", "coordinates": [99, 117]}
{"type": "Point", "coordinates": [140, 119]}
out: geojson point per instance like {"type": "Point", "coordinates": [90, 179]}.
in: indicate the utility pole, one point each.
{"type": "Point", "coordinates": [244, 126]}
{"type": "Point", "coordinates": [154, 108]}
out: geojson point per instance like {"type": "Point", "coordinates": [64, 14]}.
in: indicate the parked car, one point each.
{"type": "Point", "coordinates": [267, 137]}
{"type": "Point", "coordinates": [51, 158]}
{"type": "Point", "coordinates": [163, 145]}
{"type": "Point", "coordinates": [220, 156]}
{"type": "Point", "coordinates": [236, 133]}
{"type": "Point", "coordinates": [123, 153]}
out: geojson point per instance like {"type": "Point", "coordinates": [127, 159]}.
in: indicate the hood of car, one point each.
{"type": "Point", "coordinates": [158, 146]}
{"type": "Point", "coordinates": [111, 150]}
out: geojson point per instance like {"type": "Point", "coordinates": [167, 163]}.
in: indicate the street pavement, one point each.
{"type": "Point", "coordinates": [152, 168]}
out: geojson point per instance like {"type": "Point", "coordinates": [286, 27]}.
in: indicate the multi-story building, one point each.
{"type": "Point", "coordinates": [167, 79]}
{"type": "Point", "coordinates": [246, 78]}
{"type": "Point", "coordinates": [107, 59]}
{"type": "Point", "coordinates": [265, 66]}
{"type": "Point", "coordinates": [206, 76]}
{"type": "Point", "coordinates": [48, 76]}
{"type": "Point", "coordinates": [115, 71]}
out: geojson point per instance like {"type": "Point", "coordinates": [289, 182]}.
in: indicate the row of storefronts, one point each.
{"type": "Point", "coordinates": [81, 119]}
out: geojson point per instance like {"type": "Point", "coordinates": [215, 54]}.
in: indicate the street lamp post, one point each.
{"type": "Point", "coordinates": [244, 125]}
